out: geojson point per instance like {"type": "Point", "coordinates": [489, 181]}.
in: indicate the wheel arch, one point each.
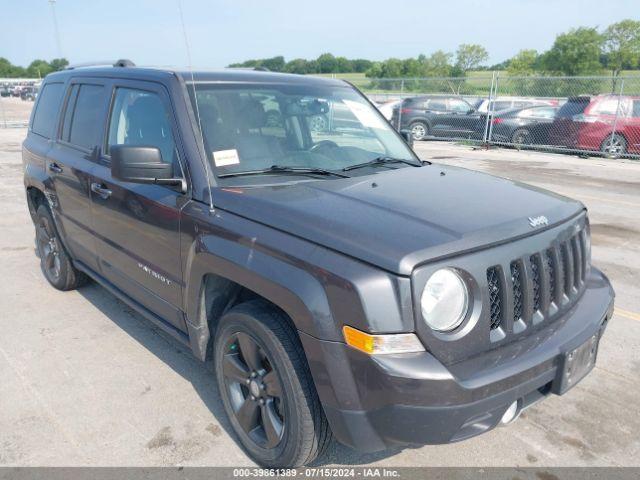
{"type": "Point", "coordinates": [620, 133]}
{"type": "Point", "coordinates": [218, 281]}
{"type": "Point", "coordinates": [35, 197]}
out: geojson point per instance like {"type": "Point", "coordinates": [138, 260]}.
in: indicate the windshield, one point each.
{"type": "Point", "coordinates": [248, 128]}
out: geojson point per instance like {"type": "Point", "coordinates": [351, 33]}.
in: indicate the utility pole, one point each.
{"type": "Point", "coordinates": [56, 32]}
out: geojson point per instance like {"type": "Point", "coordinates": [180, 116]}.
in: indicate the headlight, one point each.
{"type": "Point", "coordinates": [445, 300]}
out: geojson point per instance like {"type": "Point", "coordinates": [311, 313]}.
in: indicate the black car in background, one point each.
{"type": "Point", "coordinates": [29, 94]}
{"type": "Point", "coordinates": [521, 126]}
{"type": "Point", "coordinates": [437, 116]}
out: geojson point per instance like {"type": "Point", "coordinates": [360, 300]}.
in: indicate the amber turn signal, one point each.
{"type": "Point", "coordinates": [380, 344]}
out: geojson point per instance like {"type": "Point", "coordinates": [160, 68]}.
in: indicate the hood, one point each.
{"type": "Point", "coordinates": [401, 218]}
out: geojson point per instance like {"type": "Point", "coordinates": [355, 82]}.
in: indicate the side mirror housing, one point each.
{"type": "Point", "coordinates": [408, 137]}
{"type": "Point", "coordinates": [139, 164]}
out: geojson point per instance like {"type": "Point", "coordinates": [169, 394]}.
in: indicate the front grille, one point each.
{"type": "Point", "coordinates": [554, 275]}
{"type": "Point", "coordinates": [493, 281]}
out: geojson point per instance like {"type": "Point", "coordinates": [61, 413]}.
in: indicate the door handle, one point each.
{"type": "Point", "coordinates": [55, 168]}
{"type": "Point", "coordinates": [102, 192]}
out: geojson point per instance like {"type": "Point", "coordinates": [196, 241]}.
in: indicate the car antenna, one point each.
{"type": "Point", "coordinates": [195, 98]}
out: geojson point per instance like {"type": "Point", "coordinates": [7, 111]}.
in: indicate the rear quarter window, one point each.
{"type": "Point", "coordinates": [46, 114]}
{"type": "Point", "coordinates": [573, 107]}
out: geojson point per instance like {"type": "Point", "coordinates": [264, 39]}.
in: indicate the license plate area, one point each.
{"type": "Point", "coordinates": [576, 364]}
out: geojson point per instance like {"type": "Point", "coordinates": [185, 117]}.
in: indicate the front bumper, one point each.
{"type": "Point", "coordinates": [375, 402]}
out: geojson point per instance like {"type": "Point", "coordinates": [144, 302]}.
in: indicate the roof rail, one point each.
{"type": "Point", "coordinates": [123, 62]}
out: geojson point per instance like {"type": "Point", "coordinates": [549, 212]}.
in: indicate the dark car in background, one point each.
{"type": "Point", "coordinates": [29, 93]}
{"type": "Point", "coordinates": [521, 126]}
{"type": "Point", "coordinates": [590, 123]}
{"type": "Point", "coordinates": [437, 116]}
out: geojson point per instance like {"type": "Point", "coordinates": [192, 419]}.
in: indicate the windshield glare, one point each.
{"type": "Point", "coordinates": [249, 127]}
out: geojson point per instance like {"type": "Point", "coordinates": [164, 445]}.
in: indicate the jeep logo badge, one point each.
{"type": "Point", "coordinates": [539, 221]}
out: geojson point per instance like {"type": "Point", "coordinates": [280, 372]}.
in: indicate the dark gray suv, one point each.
{"type": "Point", "coordinates": [437, 116]}
{"type": "Point", "coordinates": [339, 286]}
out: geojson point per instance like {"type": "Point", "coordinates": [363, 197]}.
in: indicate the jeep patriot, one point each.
{"type": "Point", "coordinates": [337, 285]}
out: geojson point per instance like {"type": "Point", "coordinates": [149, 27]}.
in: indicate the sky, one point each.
{"type": "Point", "coordinates": [220, 32]}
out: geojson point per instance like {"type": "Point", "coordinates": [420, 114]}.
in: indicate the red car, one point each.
{"type": "Point", "coordinates": [587, 123]}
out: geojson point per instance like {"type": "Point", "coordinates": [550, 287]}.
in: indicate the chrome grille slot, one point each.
{"type": "Point", "coordinates": [567, 271]}
{"type": "Point", "coordinates": [551, 273]}
{"type": "Point", "coordinates": [495, 293]}
{"type": "Point", "coordinates": [518, 300]}
{"type": "Point", "coordinates": [535, 280]}
{"type": "Point", "coordinates": [577, 261]}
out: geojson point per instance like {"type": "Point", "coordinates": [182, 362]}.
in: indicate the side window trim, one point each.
{"type": "Point", "coordinates": [79, 81]}
{"type": "Point", "coordinates": [70, 97]}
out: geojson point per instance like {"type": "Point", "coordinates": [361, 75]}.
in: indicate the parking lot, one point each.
{"type": "Point", "coordinates": [86, 381]}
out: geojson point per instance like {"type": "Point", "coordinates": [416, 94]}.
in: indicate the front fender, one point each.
{"type": "Point", "coordinates": [319, 289]}
{"type": "Point", "coordinates": [245, 262]}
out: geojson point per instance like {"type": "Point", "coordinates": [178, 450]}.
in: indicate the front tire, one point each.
{"type": "Point", "coordinates": [419, 130]}
{"type": "Point", "coordinates": [266, 387]}
{"type": "Point", "coordinates": [54, 260]}
{"type": "Point", "coordinates": [614, 145]}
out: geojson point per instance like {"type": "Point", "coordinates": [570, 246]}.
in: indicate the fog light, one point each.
{"type": "Point", "coordinates": [511, 414]}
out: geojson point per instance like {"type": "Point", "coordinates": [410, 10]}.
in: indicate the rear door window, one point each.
{"type": "Point", "coordinates": [85, 110]}
{"type": "Point", "coordinates": [437, 105]}
{"type": "Point", "coordinates": [459, 106]}
{"type": "Point", "coordinates": [606, 107]}
{"type": "Point", "coordinates": [501, 105]}
{"type": "Point", "coordinates": [46, 114]}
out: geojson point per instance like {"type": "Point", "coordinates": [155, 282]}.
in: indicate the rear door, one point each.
{"type": "Point", "coordinates": [436, 111]}
{"type": "Point", "coordinates": [456, 120]}
{"type": "Point", "coordinates": [71, 161]}
{"type": "Point", "coordinates": [138, 225]}
{"type": "Point", "coordinates": [465, 120]}
{"type": "Point", "coordinates": [539, 121]}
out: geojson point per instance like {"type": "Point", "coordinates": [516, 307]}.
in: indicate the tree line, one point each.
{"type": "Point", "coordinates": [36, 69]}
{"type": "Point", "coordinates": [325, 63]}
{"type": "Point", "coordinates": [580, 51]}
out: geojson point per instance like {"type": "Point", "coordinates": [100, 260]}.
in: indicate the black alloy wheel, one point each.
{"type": "Point", "coordinates": [254, 390]}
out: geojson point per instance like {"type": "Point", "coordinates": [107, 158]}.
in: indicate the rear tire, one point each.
{"type": "Point", "coordinates": [266, 387]}
{"type": "Point", "coordinates": [419, 130]}
{"type": "Point", "coordinates": [614, 144]}
{"type": "Point", "coordinates": [54, 260]}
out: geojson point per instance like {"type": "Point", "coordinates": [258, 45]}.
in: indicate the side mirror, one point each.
{"type": "Point", "coordinates": [470, 111]}
{"type": "Point", "coordinates": [141, 165]}
{"type": "Point", "coordinates": [408, 137]}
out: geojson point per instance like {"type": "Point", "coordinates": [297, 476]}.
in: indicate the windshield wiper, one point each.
{"type": "Point", "coordinates": [381, 161]}
{"type": "Point", "coordinates": [281, 169]}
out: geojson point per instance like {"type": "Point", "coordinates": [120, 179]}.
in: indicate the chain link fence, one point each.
{"type": "Point", "coordinates": [584, 115]}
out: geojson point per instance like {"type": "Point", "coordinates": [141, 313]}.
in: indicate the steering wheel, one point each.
{"type": "Point", "coordinates": [323, 144]}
